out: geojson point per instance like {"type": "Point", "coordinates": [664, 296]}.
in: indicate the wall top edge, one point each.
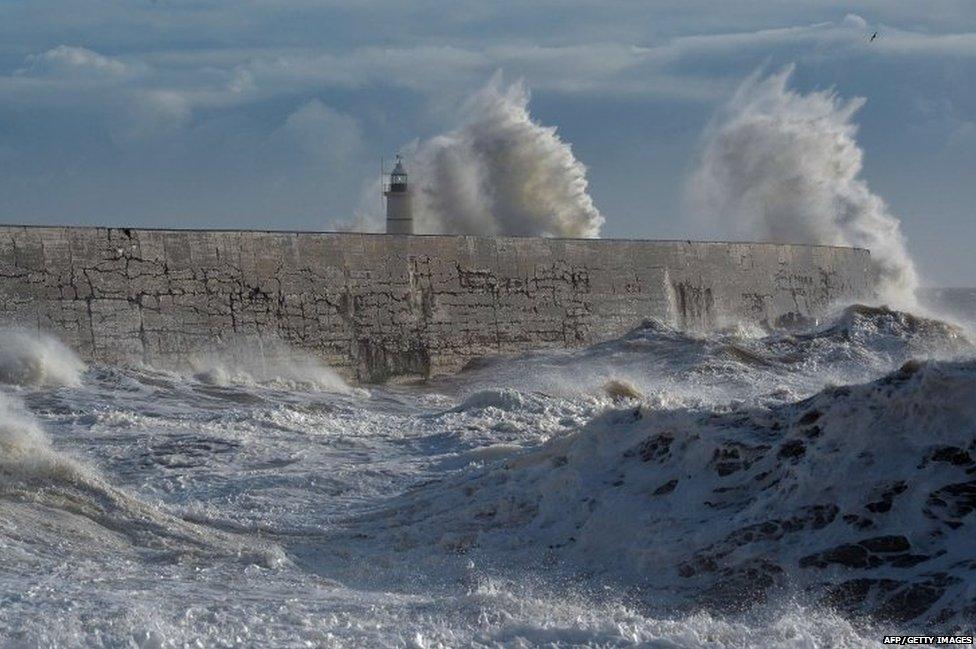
{"type": "Point", "coordinates": [127, 230]}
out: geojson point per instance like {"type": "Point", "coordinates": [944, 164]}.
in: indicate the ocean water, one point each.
{"type": "Point", "coordinates": [741, 488]}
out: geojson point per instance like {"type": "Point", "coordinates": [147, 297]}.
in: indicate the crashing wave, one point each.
{"type": "Point", "coordinates": [781, 165]}
{"type": "Point", "coordinates": [861, 497]}
{"type": "Point", "coordinates": [502, 173]}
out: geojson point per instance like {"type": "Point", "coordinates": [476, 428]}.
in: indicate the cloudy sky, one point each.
{"type": "Point", "coordinates": [265, 113]}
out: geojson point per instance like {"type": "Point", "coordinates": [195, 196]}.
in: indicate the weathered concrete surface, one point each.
{"type": "Point", "coordinates": [376, 306]}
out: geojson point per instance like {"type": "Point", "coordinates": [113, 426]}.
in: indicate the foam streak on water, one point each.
{"type": "Point", "coordinates": [737, 489]}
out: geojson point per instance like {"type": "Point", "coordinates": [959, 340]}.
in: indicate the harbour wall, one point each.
{"type": "Point", "coordinates": [378, 306]}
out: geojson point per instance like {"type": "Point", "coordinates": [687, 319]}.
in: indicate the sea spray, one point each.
{"type": "Point", "coordinates": [783, 166]}
{"type": "Point", "coordinates": [29, 358]}
{"type": "Point", "coordinates": [266, 362]}
{"type": "Point", "coordinates": [502, 173]}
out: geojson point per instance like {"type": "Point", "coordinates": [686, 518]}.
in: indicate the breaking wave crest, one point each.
{"type": "Point", "coordinates": [31, 359]}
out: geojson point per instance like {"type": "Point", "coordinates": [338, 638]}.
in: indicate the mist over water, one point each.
{"type": "Point", "coordinates": [781, 165]}
{"type": "Point", "coordinates": [501, 173]}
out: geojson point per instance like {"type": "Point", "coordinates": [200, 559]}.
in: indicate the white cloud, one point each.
{"type": "Point", "coordinates": [321, 133]}
{"type": "Point", "coordinates": [68, 61]}
{"type": "Point", "coordinates": [854, 21]}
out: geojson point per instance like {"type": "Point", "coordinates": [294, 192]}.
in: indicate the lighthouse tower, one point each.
{"type": "Point", "coordinates": [399, 214]}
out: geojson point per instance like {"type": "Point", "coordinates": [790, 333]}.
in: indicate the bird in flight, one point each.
{"type": "Point", "coordinates": [873, 36]}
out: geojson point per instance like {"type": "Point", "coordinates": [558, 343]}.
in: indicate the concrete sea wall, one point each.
{"type": "Point", "coordinates": [377, 306]}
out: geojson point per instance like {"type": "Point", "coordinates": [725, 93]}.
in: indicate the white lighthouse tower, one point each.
{"type": "Point", "coordinates": [399, 213]}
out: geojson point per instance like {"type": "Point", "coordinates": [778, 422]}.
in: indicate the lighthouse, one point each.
{"type": "Point", "coordinates": [399, 214]}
